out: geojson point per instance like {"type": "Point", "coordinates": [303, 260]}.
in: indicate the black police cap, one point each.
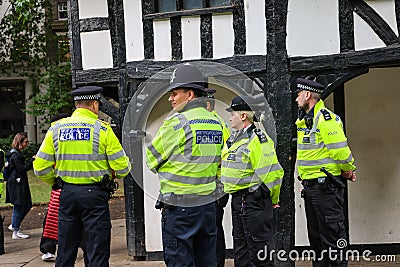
{"type": "Point", "coordinates": [187, 76]}
{"type": "Point", "coordinates": [87, 93]}
{"type": "Point", "coordinates": [242, 103]}
{"type": "Point", "coordinates": [309, 85]}
{"type": "Point", "coordinates": [210, 92]}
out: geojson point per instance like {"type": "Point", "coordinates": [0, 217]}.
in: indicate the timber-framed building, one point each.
{"type": "Point", "coordinates": [353, 46]}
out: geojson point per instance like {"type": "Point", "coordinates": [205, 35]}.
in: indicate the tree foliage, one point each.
{"type": "Point", "coordinates": [26, 45]}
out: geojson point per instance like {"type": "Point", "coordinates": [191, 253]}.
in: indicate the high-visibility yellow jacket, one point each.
{"type": "Point", "coordinates": [186, 151]}
{"type": "Point", "coordinates": [324, 145]}
{"type": "Point", "coordinates": [3, 155]}
{"type": "Point", "coordinates": [225, 134]}
{"type": "Point", "coordinates": [250, 161]}
{"type": "Point", "coordinates": [225, 129]}
{"type": "Point", "coordinates": [80, 149]}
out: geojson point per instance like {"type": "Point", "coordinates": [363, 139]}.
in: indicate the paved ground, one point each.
{"type": "Point", "coordinates": [26, 252]}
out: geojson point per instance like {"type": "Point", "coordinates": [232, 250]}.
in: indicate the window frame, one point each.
{"type": "Point", "coordinates": [59, 4]}
{"type": "Point", "coordinates": [190, 12]}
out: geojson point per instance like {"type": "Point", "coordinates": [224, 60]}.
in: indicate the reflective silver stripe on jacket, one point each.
{"type": "Point", "coordinates": [43, 172]}
{"type": "Point", "coordinates": [317, 162]}
{"type": "Point", "coordinates": [116, 155]}
{"type": "Point", "coordinates": [86, 174]}
{"type": "Point", "coordinates": [123, 171]}
{"type": "Point", "coordinates": [320, 145]}
{"type": "Point", "coordinates": [188, 134]}
{"type": "Point", "coordinates": [45, 156]}
{"type": "Point", "coordinates": [194, 159]}
{"type": "Point", "coordinates": [155, 153]}
{"type": "Point", "coordinates": [243, 180]}
{"type": "Point", "coordinates": [86, 157]}
{"type": "Point", "coordinates": [267, 169]}
{"type": "Point", "coordinates": [186, 179]}
{"type": "Point", "coordinates": [237, 165]}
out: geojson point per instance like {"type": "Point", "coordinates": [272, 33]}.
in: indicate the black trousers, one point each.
{"type": "Point", "coordinates": [220, 204]}
{"type": "Point", "coordinates": [252, 229]}
{"type": "Point", "coordinates": [325, 224]}
{"type": "Point", "coordinates": [189, 236]}
{"type": "Point", "coordinates": [84, 211]}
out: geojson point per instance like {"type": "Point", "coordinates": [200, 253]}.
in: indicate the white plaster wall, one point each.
{"type": "Point", "coordinates": [92, 8]}
{"type": "Point", "coordinates": [312, 27]}
{"type": "Point", "coordinates": [3, 7]}
{"type": "Point", "coordinates": [364, 36]}
{"type": "Point", "coordinates": [256, 32]}
{"type": "Point", "coordinates": [372, 129]}
{"type": "Point", "coordinates": [133, 30]}
{"type": "Point", "coordinates": [96, 50]}
{"type": "Point", "coordinates": [191, 43]}
{"type": "Point", "coordinates": [162, 40]}
{"type": "Point", "coordinates": [223, 35]}
{"type": "Point", "coordinates": [150, 180]}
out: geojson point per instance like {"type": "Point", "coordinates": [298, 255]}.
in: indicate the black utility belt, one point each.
{"type": "Point", "coordinates": [260, 192]}
{"type": "Point", "coordinates": [169, 200]}
{"type": "Point", "coordinates": [320, 181]}
{"type": "Point", "coordinates": [92, 184]}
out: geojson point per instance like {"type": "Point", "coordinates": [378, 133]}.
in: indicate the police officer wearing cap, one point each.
{"type": "Point", "coordinates": [252, 174]}
{"type": "Point", "coordinates": [324, 161]}
{"type": "Point", "coordinates": [186, 153]}
{"type": "Point", "coordinates": [223, 199]}
{"type": "Point", "coordinates": [82, 151]}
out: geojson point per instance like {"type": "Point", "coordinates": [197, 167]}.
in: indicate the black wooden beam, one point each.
{"type": "Point", "coordinates": [148, 32]}
{"type": "Point", "coordinates": [239, 28]}
{"type": "Point", "coordinates": [94, 24]}
{"type": "Point", "coordinates": [376, 22]}
{"type": "Point", "coordinates": [176, 38]}
{"type": "Point", "coordinates": [192, 12]}
{"type": "Point", "coordinates": [278, 94]}
{"type": "Point", "coordinates": [346, 25]}
{"type": "Point", "coordinates": [388, 56]}
{"type": "Point", "coordinates": [397, 11]}
{"type": "Point", "coordinates": [146, 68]}
{"type": "Point", "coordinates": [206, 36]}
{"type": "Point", "coordinates": [113, 30]}
{"type": "Point", "coordinates": [75, 40]}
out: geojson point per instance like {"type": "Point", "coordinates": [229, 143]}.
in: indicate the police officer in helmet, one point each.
{"type": "Point", "coordinates": [324, 161]}
{"type": "Point", "coordinates": [252, 175]}
{"type": "Point", "coordinates": [82, 151]}
{"type": "Point", "coordinates": [186, 153]}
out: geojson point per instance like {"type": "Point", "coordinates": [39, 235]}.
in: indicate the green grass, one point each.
{"type": "Point", "coordinates": [40, 191]}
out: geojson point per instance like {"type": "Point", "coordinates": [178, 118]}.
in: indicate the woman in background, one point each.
{"type": "Point", "coordinates": [18, 192]}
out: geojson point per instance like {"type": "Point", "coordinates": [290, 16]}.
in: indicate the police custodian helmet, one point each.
{"type": "Point", "coordinates": [187, 76]}
{"type": "Point", "coordinates": [87, 93]}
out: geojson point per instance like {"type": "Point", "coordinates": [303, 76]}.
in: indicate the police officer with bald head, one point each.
{"type": "Point", "coordinates": [82, 152]}
{"type": "Point", "coordinates": [324, 161]}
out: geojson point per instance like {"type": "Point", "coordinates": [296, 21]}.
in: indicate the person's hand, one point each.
{"type": "Point", "coordinates": [18, 180]}
{"type": "Point", "coordinates": [349, 175]}
{"type": "Point", "coordinates": [275, 206]}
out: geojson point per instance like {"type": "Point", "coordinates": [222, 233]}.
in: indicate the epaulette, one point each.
{"type": "Point", "coordinates": [327, 115]}
{"type": "Point", "coordinates": [106, 123]}
{"type": "Point", "coordinates": [261, 136]}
